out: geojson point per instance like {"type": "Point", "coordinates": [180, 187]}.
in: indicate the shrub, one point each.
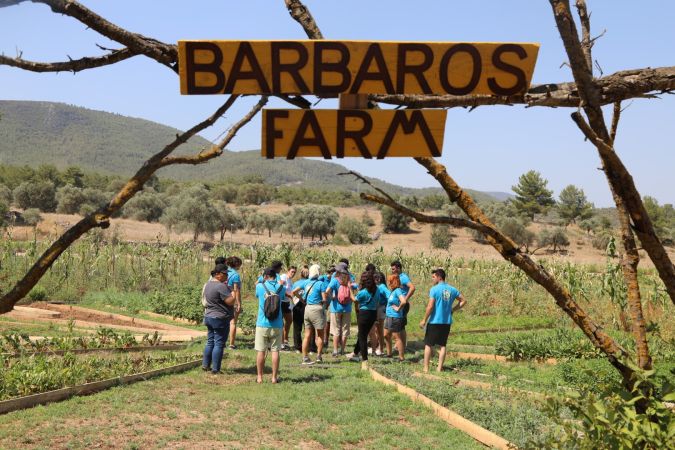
{"type": "Point", "coordinates": [479, 237]}
{"type": "Point", "coordinates": [179, 301]}
{"type": "Point", "coordinates": [32, 216]}
{"type": "Point", "coordinates": [41, 195]}
{"type": "Point", "coordinates": [394, 222]}
{"type": "Point", "coordinates": [610, 420]}
{"type": "Point", "coordinates": [37, 294]}
{"type": "Point", "coordinates": [440, 236]}
{"type": "Point", "coordinates": [366, 219]}
{"type": "Point", "coordinates": [601, 241]}
{"type": "Point", "coordinates": [516, 231]}
{"type": "Point", "coordinates": [354, 230]}
{"type": "Point", "coordinates": [556, 238]}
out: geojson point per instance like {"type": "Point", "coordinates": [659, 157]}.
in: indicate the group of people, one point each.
{"type": "Point", "coordinates": [322, 303]}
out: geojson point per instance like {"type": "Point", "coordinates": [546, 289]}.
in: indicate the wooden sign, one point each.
{"type": "Point", "coordinates": [375, 133]}
{"type": "Point", "coordinates": [335, 67]}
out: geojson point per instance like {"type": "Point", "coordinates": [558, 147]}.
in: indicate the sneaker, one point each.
{"type": "Point", "coordinates": [298, 351]}
{"type": "Point", "coordinates": [285, 347]}
{"type": "Point", "coordinates": [319, 359]}
{"type": "Point", "coordinates": [335, 354]}
{"type": "Point", "coordinates": [378, 353]}
{"type": "Point", "coordinates": [355, 358]}
{"type": "Point", "coordinates": [350, 355]}
{"type": "Point", "coordinates": [306, 361]}
{"type": "Point", "coordinates": [370, 351]}
{"type": "Point", "coordinates": [232, 347]}
{"type": "Point", "coordinates": [206, 369]}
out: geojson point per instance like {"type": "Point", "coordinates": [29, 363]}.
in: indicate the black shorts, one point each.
{"type": "Point", "coordinates": [394, 324]}
{"type": "Point", "coordinates": [285, 308]}
{"type": "Point", "coordinates": [437, 334]}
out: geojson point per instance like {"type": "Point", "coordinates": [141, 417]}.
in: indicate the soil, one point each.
{"type": "Point", "coordinates": [102, 318]}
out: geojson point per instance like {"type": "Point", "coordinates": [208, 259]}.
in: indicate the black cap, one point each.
{"type": "Point", "coordinates": [440, 272]}
{"type": "Point", "coordinates": [220, 268]}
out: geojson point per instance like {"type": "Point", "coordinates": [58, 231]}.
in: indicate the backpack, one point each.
{"type": "Point", "coordinates": [271, 307]}
{"type": "Point", "coordinates": [344, 293]}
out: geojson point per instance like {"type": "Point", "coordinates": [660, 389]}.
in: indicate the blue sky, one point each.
{"type": "Point", "coordinates": [487, 149]}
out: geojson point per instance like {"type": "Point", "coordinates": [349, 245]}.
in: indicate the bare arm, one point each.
{"type": "Point", "coordinates": [403, 299]}
{"type": "Point", "coordinates": [236, 292]}
{"type": "Point", "coordinates": [427, 313]}
{"type": "Point", "coordinates": [460, 304]}
{"type": "Point", "coordinates": [411, 291]}
{"type": "Point", "coordinates": [229, 300]}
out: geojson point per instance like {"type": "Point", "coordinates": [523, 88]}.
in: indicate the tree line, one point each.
{"type": "Point", "coordinates": [222, 208]}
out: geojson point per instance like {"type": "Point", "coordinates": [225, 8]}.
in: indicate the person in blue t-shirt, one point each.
{"type": "Point", "coordinates": [408, 289]}
{"type": "Point", "coordinates": [298, 299]}
{"type": "Point", "coordinates": [368, 301]}
{"type": "Point", "coordinates": [340, 314]}
{"type": "Point", "coordinates": [315, 317]}
{"type": "Point", "coordinates": [438, 316]}
{"type": "Point", "coordinates": [393, 324]}
{"type": "Point", "coordinates": [383, 293]}
{"type": "Point", "coordinates": [234, 283]}
{"type": "Point", "coordinates": [268, 331]}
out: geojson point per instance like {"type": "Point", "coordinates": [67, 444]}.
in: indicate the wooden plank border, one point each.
{"type": "Point", "coordinates": [477, 432]}
{"type": "Point", "coordinates": [58, 395]}
{"type": "Point", "coordinates": [463, 382]}
{"type": "Point", "coordinates": [81, 351]}
{"type": "Point", "coordinates": [498, 358]}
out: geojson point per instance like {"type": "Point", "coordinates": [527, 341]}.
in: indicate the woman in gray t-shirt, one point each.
{"type": "Point", "coordinates": [217, 315]}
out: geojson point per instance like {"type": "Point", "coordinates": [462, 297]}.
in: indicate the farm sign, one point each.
{"type": "Point", "coordinates": [331, 68]}
{"type": "Point", "coordinates": [352, 67]}
{"type": "Point", "coordinates": [352, 132]}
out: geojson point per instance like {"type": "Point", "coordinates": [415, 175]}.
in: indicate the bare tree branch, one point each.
{"type": "Point", "coordinates": [138, 44]}
{"type": "Point", "coordinates": [586, 41]}
{"type": "Point", "coordinates": [74, 65]}
{"type": "Point", "coordinates": [616, 115]}
{"type": "Point", "coordinates": [216, 150]}
{"type": "Point", "coordinates": [387, 200]}
{"type": "Point", "coordinates": [620, 181]}
{"type": "Point", "coordinates": [296, 100]}
{"type": "Point", "coordinates": [619, 86]}
{"type": "Point", "coordinates": [301, 14]}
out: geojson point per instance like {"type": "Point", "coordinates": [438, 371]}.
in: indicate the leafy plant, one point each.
{"type": "Point", "coordinates": [610, 420]}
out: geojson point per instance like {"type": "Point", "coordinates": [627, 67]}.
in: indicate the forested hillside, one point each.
{"type": "Point", "coordinates": [33, 133]}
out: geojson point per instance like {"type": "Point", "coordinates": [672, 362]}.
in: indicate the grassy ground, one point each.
{"type": "Point", "coordinates": [338, 406]}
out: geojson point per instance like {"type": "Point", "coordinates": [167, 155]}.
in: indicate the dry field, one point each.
{"type": "Point", "coordinates": [418, 240]}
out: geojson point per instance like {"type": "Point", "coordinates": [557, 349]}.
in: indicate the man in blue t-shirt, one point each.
{"type": "Point", "coordinates": [438, 316]}
{"type": "Point", "coordinates": [268, 331]}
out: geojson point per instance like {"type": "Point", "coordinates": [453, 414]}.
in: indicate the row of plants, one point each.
{"type": "Point", "coordinates": [41, 373]}
{"type": "Point", "coordinates": [571, 343]}
{"type": "Point", "coordinates": [517, 419]}
{"type": "Point", "coordinates": [603, 416]}
{"type": "Point", "coordinates": [12, 342]}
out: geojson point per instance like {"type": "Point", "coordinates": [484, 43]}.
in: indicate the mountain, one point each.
{"type": "Point", "coordinates": [33, 133]}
